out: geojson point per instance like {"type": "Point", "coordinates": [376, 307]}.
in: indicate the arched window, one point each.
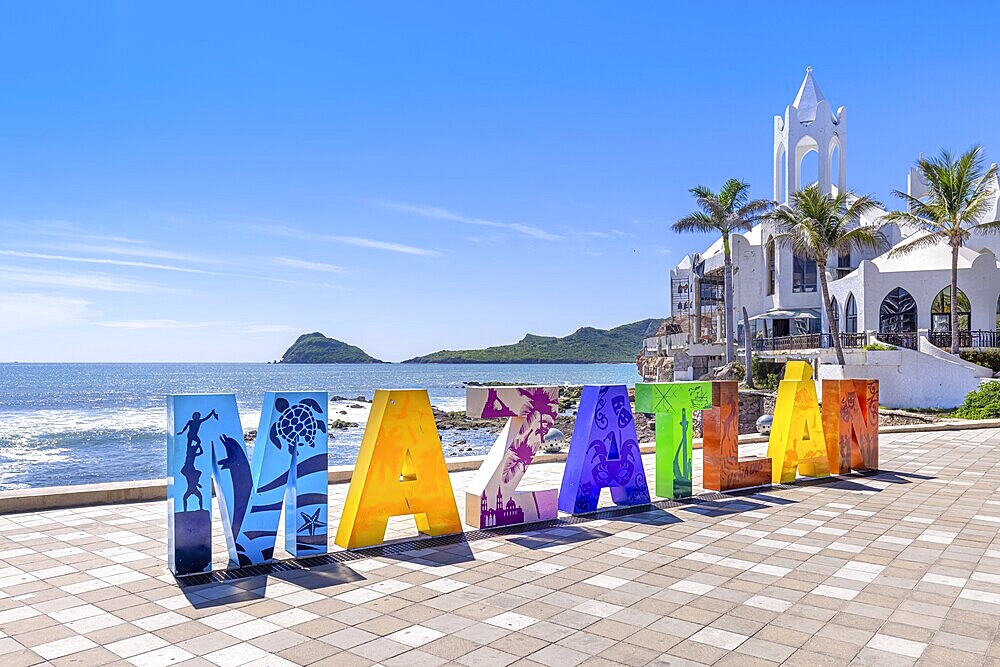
{"type": "Point", "coordinates": [941, 311]}
{"type": "Point", "coordinates": [834, 166]}
{"type": "Point", "coordinates": [803, 274]}
{"type": "Point", "coordinates": [851, 315]}
{"type": "Point", "coordinates": [835, 325]}
{"type": "Point", "coordinates": [770, 266]}
{"type": "Point", "coordinates": [898, 312]}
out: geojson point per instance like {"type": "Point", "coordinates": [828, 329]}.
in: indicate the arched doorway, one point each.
{"type": "Point", "coordinates": [898, 312]}
{"type": "Point", "coordinates": [835, 325]}
{"type": "Point", "coordinates": [941, 311]}
{"type": "Point", "coordinates": [851, 315]}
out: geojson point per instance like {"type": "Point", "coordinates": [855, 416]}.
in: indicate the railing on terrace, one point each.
{"type": "Point", "coordinates": [907, 339]}
{"type": "Point", "coordinates": [966, 339]}
{"type": "Point", "coordinates": [807, 342]}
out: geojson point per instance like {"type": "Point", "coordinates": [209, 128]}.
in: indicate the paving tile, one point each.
{"type": "Point", "coordinates": [876, 573]}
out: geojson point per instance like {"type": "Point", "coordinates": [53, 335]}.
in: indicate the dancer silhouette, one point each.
{"type": "Point", "coordinates": [192, 475]}
{"type": "Point", "coordinates": [194, 424]}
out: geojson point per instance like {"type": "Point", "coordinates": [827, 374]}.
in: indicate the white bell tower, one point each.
{"type": "Point", "coordinates": [810, 125]}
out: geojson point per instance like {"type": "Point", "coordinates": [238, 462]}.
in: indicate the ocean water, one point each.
{"type": "Point", "coordinates": [87, 423]}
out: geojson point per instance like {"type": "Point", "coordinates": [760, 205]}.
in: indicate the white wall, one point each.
{"type": "Point", "coordinates": [980, 282]}
{"type": "Point", "coordinates": [911, 379]}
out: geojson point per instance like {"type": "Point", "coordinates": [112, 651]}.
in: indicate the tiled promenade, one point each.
{"type": "Point", "coordinates": [898, 568]}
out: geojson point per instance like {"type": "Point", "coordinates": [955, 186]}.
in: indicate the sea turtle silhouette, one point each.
{"type": "Point", "coordinates": [297, 423]}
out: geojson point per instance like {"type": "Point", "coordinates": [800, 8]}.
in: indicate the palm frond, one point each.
{"type": "Point", "coordinates": [988, 227]}
{"type": "Point", "coordinates": [696, 222]}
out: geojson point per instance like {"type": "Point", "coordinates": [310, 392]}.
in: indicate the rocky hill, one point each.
{"type": "Point", "coordinates": [315, 348]}
{"type": "Point", "coordinates": [586, 345]}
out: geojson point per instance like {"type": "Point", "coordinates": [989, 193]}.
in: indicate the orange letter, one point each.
{"type": "Point", "coordinates": [724, 470]}
{"type": "Point", "coordinates": [850, 421]}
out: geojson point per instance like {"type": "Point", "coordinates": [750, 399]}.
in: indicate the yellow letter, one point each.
{"type": "Point", "coordinates": [400, 470]}
{"type": "Point", "coordinates": [797, 440]}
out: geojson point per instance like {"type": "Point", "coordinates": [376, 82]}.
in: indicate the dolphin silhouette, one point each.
{"type": "Point", "coordinates": [239, 471]}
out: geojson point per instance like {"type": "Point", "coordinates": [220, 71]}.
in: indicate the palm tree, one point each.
{"type": "Point", "coordinates": [727, 212]}
{"type": "Point", "coordinates": [958, 197]}
{"type": "Point", "coordinates": [818, 226]}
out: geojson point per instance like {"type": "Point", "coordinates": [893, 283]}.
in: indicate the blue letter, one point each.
{"type": "Point", "coordinates": [289, 469]}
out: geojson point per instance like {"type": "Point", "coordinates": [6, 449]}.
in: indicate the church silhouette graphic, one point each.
{"type": "Point", "coordinates": [502, 515]}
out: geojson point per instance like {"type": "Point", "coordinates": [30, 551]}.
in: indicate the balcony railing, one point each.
{"type": "Point", "coordinates": [906, 339]}
{"type": "Point", "coordinates": [966, 339]}
{"type": "Point", "coordinates": [807, 342]}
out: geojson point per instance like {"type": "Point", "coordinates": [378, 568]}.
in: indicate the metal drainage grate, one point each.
{"type": "Point", "coordinates": [395, 548]}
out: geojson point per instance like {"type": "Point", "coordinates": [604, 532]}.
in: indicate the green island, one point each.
{"type": "Point", "coordinates": [315, 348]}
{"type": "Point", "coordinates": [586, 345]}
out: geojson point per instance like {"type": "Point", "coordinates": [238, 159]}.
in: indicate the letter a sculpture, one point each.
{"type": "Point", "coordinates": [797, 442]}
{"type": "Point", "coordinates": [604, 453]}
{"type": "Point", "coordinates": [400, 471]}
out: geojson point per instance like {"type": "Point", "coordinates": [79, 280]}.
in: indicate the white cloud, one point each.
{"type": "Point", "coordinates": [101, 282]}
{"type": "Point", "coordinates": [157, 324]}
{"type": "Point", "coordinates": [136, 251]}
{"type": "Point", "coordinates": [437, 213]}
{"type": "Point", "coordinates": [292, 263]}
{"type": "Point", "coordinates": [23, 312]}
{"type": "Point", "coordinates": [289, 232]}
{"type": "Point", "coordinates": [99, 260]}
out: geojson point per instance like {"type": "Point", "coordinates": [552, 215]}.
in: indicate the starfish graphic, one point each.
{"type": "Point", "coordinates": [310, 523]}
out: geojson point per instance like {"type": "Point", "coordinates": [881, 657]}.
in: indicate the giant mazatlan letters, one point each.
{"type": "Point", "coordinates": [288, 471]}
{"type": "Point", "coordinates": [401, 470]}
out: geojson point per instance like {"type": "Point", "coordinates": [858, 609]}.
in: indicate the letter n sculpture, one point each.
{"type": "Point", "coordinates": [673, 403]}
{"type": "Point", "coordinates": [492, 499]}
{"type": "Point", "coordinates": [797, 443]}
{"type": "Point", "coordinates": [400, 471]}
{"type": "Point", "coordinates": [724, 469]}
{"type": "Point", "coordinates": [850, 422]}
{"type": "Point", "coordinates": [604, 453]}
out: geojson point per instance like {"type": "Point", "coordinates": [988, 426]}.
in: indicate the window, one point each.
{"type": "Point", "coordinates": [941, 311]}
{"type": "Point", "coordinates": [770, 266]}
{"type": "Point", "coordinates": [803, 274]}
{"type": "Point", "coordinates": [835, 328]}
{"type": "Point", "coordinates": [851, 315]}
{"type": "Point", "coordinates": [898, 312]}
{"type": "Point", "coordinates": [844, 261]}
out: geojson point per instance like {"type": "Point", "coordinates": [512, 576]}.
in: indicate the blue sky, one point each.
{"type": "Point", "coordinates": [204, 181]}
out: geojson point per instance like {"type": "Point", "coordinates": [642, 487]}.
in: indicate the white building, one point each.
{"type": "Point", "coordinates": [884, 297]}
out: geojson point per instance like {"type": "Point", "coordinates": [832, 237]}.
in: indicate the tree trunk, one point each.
{"type": "Point", "coordinates": [696, 306]}
{"type": "Point", "coordinates": [954, 299]}
{"type": "Point", "coordinates": [730, 324]}
{"type": "Point", "coordinates": [748, 350]}
{"type": "Point", "coordinates": [828, 305]}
